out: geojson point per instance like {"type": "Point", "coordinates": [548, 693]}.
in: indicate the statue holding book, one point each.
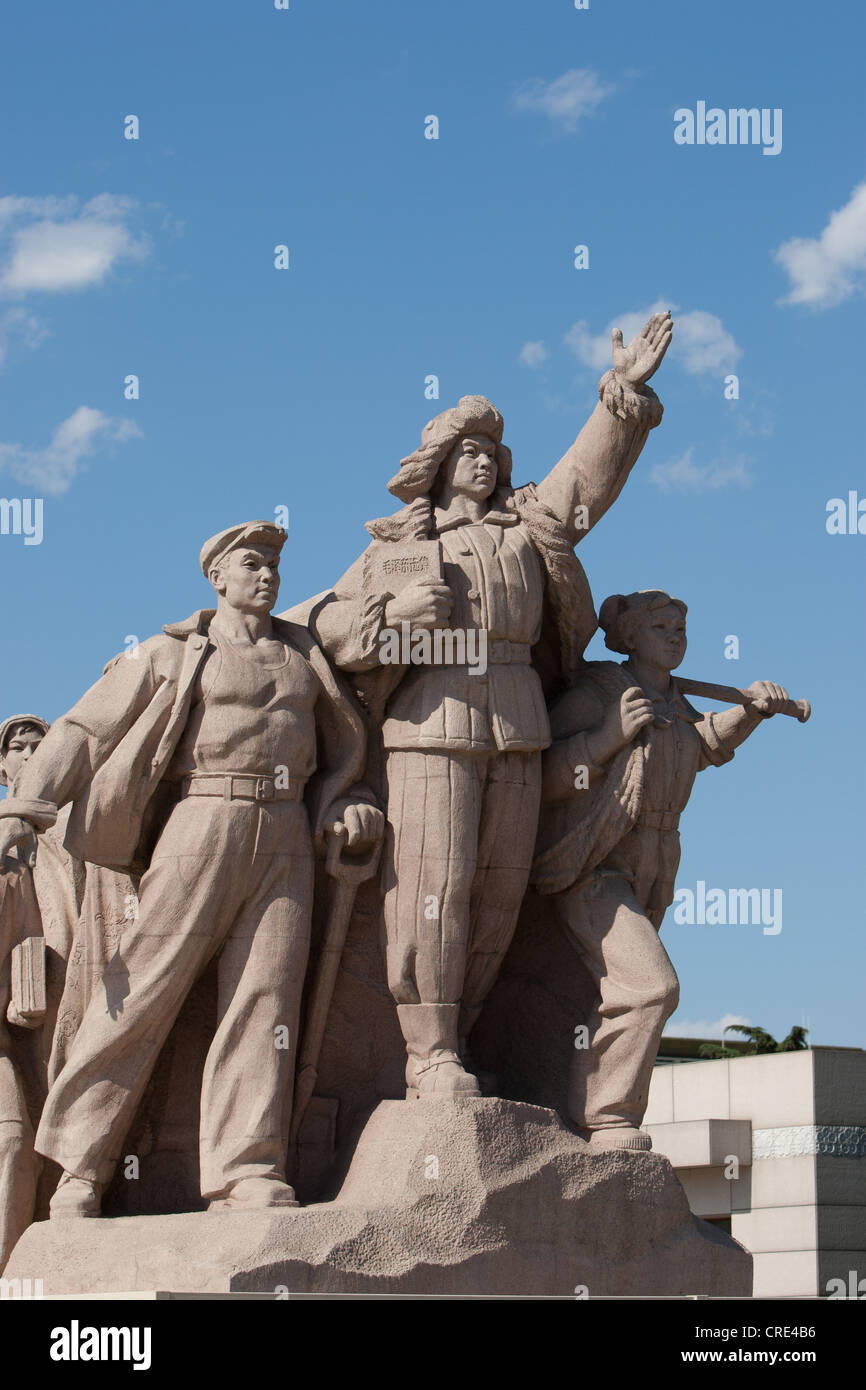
{"type": "Point", "coordinates": [463, 745]}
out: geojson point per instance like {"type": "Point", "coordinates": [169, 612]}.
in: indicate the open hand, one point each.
{"type": "Point", "coordinates": [636, 363]}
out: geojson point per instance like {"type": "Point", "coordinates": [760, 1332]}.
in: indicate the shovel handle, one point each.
{"type": "Point", "coordinates": [796, 709]}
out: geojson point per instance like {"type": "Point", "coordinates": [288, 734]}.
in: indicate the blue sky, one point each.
{"type": "Point", "coordinates": [409, 257]}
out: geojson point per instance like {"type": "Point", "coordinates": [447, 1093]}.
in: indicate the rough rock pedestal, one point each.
{"type": "Point", "coordinates": [476, 1196]}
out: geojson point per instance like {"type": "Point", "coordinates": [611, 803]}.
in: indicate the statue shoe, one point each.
{"type": "Point", "coordinates": [76, 1197]}
{"type": "Point", "coordinates": [617, 1137]}
{"type": "Point", "coordinates": [434, 1066]}
{"type": "Point", "coordinates": [440, 1074]}
{"type": "Point", "coordinates": [255, 1194]}
{"type": "Point", "coordinates": [488, 1081]}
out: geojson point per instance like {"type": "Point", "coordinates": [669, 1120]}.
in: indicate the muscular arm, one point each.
{"type": "Point", "coordinates": [79, 742]}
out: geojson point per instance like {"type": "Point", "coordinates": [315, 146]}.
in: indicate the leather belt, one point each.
{"type": "Point", "coordinates": [501, 652]}
{"type": "Point", "coordinates": [659, 820]}
{"type": "Point", "coordinates": [241, 786]}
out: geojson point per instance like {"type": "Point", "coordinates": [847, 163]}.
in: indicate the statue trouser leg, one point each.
{"type": "Point", "coordinates": [246, 1098]}
{"type": "Point", "coordinates": [637, 993]}
{"type": "Point", "coordinates": [453, 818]}
{"type": "Point", "coordinates": [232, 877]}
{"type": "Point", "coordinates": [434, 810]}
{"type": "Point", "coordinates": [19, 1165]}
{"type": "Point", "coordinates": [105, 911]}
{"type": "Point", "coordinates": [506, 843]}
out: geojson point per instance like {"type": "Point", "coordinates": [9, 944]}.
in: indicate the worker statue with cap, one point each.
{"type": "Point", "coordinates": [462, 748]}
{"type": "Point", "coordinates": [194, 761]}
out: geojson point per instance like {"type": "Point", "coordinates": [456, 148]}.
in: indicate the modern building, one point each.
{"type": "Point", "coordinates": [772, 1148]}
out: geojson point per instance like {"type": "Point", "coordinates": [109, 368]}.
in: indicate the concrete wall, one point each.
{"type": "Point", "coordinates": [776, 1143]}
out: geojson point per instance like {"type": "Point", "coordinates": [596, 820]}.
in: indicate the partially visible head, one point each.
{"type": "Point", "coordinates": [242, 564]}
{"type": "Point", "coordinates": [460, 449]}
{"type": "Point", "coordinates": [648, 625]}
{"type": "Point", "coordinates": [20, 736]}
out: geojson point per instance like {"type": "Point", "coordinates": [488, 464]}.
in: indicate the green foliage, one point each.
{"type": "Point", "coordinates": [760, 1041]}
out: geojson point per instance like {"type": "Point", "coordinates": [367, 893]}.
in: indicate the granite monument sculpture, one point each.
{"type": "Point", "coordinates": [215, 775]}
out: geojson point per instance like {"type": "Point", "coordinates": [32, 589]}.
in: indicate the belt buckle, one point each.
{"type": "Point", "coordinates": [265, 790]}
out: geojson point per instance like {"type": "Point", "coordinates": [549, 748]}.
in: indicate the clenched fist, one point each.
{"type": "Point", "coordinates": [622, 723]}
{"type": "Point", "coordinates": [18, 832]}
{"type": "Point", "coordinates": [424, 605]}
{"type": "Point", "coordinates": [767, 697]}
{"type": "Point", "coordinates": [364, 827]}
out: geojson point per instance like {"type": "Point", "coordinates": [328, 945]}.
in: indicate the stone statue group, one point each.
{"type": "Point", "coordinates": [189, 793]}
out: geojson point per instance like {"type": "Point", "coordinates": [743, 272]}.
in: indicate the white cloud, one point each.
{"type": "Point", "coordinates": [533, 354]}
{"type": "Point", "coordinates": [757, 417]}
{"type": "Point", "coordinates": [825, 270]}
{"type": "Point", "coordinates": [684, 475]}
{"type": "Point", "coordinates": [704, 1028]}
{"type": "Point", "coordinates": [567, 99]}
{"type": "Point", "coordinates": [700, 343]}
{"type": "Point", "coordinates": [12, 208]}
{"type": "Point", "coordinates": [594, 349]}
{"type": "Point", "coordinates": [53, 468]}
{"type": "Point", "coordinates": [19, 325]}
{"type": "Point", "coordinates": [50, 244]}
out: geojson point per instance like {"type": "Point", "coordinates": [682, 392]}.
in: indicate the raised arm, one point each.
{"type": "Point", "coordinates": [591, 475]}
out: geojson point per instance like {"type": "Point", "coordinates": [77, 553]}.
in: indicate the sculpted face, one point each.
{"type": "Point", "coordinates": [25, 739]}
{"type": "Point", "coordinates": [249, 578]}
{"type": "Point", "coordinates": [660, 637]}
{"type": "Point", "coordinates": [471, 469]}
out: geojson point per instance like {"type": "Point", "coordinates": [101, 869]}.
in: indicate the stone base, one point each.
{"type": "Point", "coordinates": [477, 1196]}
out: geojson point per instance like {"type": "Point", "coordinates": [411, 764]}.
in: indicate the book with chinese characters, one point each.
{"type": "Point", "coordinates": [392, 566]}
